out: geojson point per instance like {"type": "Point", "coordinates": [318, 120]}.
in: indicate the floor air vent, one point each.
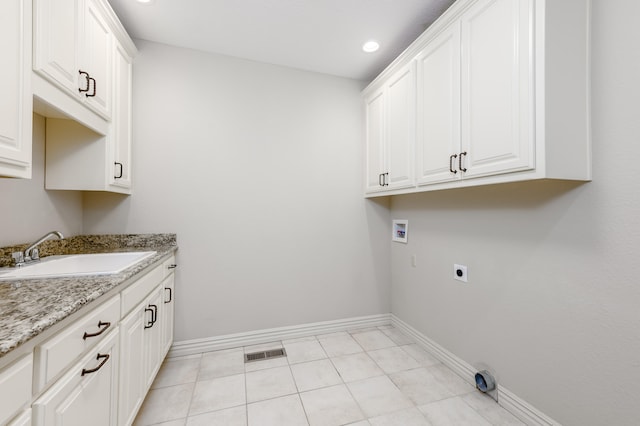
{"type": "Point", "coordinates": [258, 356]}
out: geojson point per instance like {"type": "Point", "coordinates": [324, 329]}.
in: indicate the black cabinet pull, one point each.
{"type": "Point", "coordinates": [121, 169]}
{"type": "Point", "coordinates": [104, 357]}
{"type": "Point", "coordinates": [380, 180]}
{"type": "Point", "coordinates": [172, 266]}
{"type": "Point", "coordinates": [386, 179]}
{"type": "Point", "coordinates": [170, 294]}
{"type": "Point", "coordinates": [154, 315]}
{"type": "Point", "coordinates": [462, 169]}
{"type": "Point", "coordinates": [451, 158]}
{"type": "Point", "coordinates": [94, 88]}
{"type": "Point", "coordinates": [105, 325]}
{"type": "Point", "coordinates": [87, 78]}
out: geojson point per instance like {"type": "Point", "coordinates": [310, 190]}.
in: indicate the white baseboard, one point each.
{"type": "Point", "coordinates": [507, 399]}
{"type": "Point", "coordinates": [196, 346]}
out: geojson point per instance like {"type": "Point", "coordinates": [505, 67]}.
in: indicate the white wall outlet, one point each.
{"type": "Point", "coordinates": [460, 272]}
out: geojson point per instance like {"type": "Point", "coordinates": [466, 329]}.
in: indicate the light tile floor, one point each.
{"type": "Point", "coordinates": [366, 377]}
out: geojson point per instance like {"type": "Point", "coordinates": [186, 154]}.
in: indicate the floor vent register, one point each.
{"type": "Point", "coordinates": [259, 356]}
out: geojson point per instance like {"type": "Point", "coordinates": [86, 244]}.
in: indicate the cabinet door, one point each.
{"type": "Point", "coordinates": [375, 137]}
{"type": "Point", "coordinates": [132, 365]}
{"type": "Point", "coordinates": [168, 313]}
{"type": "Point", "coordinates": [438, 137]}
{"type": "Point", "coordinates": [97, 53]}
{"type": "Point", "coordinates": [78, 400]}
{"type": "Point", "coordinates": [15, 88]}
{"type": "Point", "coordinates": [497, 87]}
{"type": "Point", "coordinates": [23, 419]}
{"type": "Point", "coordinates": [57, 29]}
{"type": "Point", "coordinates": [400, 127]}
{"type": "Point", "coordinates": [15, 387]}
{"type": "Point", "coordinates": [153, 336]}
{"type": "Point", "coordinates": [120, 164]}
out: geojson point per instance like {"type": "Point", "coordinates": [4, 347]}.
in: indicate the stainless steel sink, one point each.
{"type": "Point", "coordinates": [76, 265]}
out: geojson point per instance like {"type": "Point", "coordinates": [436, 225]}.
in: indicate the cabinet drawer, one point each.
{"type": "Point", "coordinates": [15, 387]}
{"type": "Point", "coordinates": [169, 266]}
{"type": "Point", "coordinates": [87, 393]}
{"type": "Point", "coordinates": [134, 294]}
{"type": "Point", "coordinates": [53, 356]}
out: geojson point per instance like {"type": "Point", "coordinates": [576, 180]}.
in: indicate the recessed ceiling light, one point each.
{"type": "Point", "coordinates": [370, 46]}
{"type": "Point", "coordinates": [145, 1]}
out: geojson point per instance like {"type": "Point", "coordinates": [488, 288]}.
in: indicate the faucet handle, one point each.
{"type": "Point", "coordinates": [35, 254]}
{"type": "Point", "coordinates": [18, 258]}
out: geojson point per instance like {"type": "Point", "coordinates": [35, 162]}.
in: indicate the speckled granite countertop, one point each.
{"type": "Point", "coordinates": [29, 307]}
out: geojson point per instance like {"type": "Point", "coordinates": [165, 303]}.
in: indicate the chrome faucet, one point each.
{"type": "Point", "coordinates": [31, 253]}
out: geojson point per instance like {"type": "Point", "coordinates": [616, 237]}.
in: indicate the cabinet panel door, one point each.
{"type": "Point", "coordinates": [77, 400]}
{"type": "Point", "coordinates": [57, 29]}
{"type": "Point", "coordinates": [168, 313]}
{"type": "Point", "coordinates": [132, 366]}
{"type": "Point", "coordinates": [23, 419]}
{"type": "Point", "coordinates": [400, 122]}
{"type": "Point", "coordinates": [15, 88]}
{"type": "Point", "coordinates": [497, 87]}
{"type": "Point", "coordinates": [375, 136]}
{"type": "Point", "coordinates": [439, 108]}
{"type": "Point", "coordinates": [153, 336]}
{"type": "Point", "coordinates": [121, 130]}
{"type": "Point", "coordinates": [97, 62]}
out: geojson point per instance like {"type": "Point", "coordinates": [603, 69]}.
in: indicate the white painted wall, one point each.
{"type": "Point", "coordinates": [28, 211]}
{"type": "Point", "coordinates": [258, 169]}
{"type": "Point", "coordinates": [553, 300]}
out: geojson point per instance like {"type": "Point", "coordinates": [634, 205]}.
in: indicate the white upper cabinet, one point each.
{"type": "Point", "coordinates": [83, 69]}
{"type": "Point", "coordinates": [15, 88]}
{"type": "Point", "coordinates": [498, 98]}
{"type": "Point", "coordinates": [72, 49]}
{"type": "Point", "coordinates": [120, 161]}
{"type": "Point", "coordinates": [438, 144]}
{"type": "Point", "coordinates": [390, 115]}
{"type": "Point", "coordinates": [98, 50]}
{"type": "Point", "coordinates": [497, 88]}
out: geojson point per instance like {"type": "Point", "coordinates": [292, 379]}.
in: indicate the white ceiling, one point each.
{"type": "Point", "coordinates": [324, 36]}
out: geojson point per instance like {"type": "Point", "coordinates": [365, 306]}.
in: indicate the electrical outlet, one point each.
{"type": "Point", "coordinates": [460, 273]}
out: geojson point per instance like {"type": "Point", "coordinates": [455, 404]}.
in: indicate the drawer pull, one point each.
{"type": "Point", "coordinates": [462, 169]}
{"type": "Point", "coordinates": [86, 76]}
{"type": "Point", "coordinates": [154, 315]}
{"type": "Point", "coordinates": [104, 358]}
{"type": "Point", "coordinates": [172, 266]}
{"type": "Point", "coordinates": [105, 325]}
{"type": "Point", "coordinates": [170, 294]}
{"type": "Point", "coordinates": [119, 175]}
{"type": "Point", "coordinates": [451, 157]}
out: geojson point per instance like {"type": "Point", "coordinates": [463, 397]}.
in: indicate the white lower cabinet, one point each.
{"type": "Point", "coordinates": [168, 313]}
{"type": "Point", "coordinates": [87, 394]}
{"type": "Point", "coordinates": [15, 387]}
{"type": "Point", "coordinates": [145, 338]}
{"type": "Point", "coordinates": [136, 339]}
{"type": "Point", "coordinates": [24, 419]}
{"type": "Point", "coordinates": [98, 369]}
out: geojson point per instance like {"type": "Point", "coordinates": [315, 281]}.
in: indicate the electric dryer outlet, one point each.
{"type": "Point", "coordinates": [460, 273]}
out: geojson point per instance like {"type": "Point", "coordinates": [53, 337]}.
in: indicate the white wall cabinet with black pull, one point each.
{"type": "Point", "coordinates": [498, 98]}
{"type": "Point", "coordinates": [390, 130]}
{"type": "Point", "coordinates": [73, 46]}
{"type": "Point", "coordinates": [15, 89]}
{"type": "Point", "coordinates": [82, 83]}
